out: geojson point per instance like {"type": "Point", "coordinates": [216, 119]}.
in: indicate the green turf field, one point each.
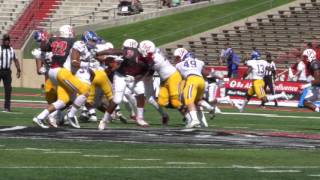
{"type": "Point", "coordinates": [66, 159]}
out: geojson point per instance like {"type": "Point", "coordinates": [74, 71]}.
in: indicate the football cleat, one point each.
{"type": "Point", "coordinates": [52, 121]}
{"type": "Point", "coordinates": [93, 117]}
{"type": "Point", "coordinates": [102, 125]}
{"type": "Point", "coordinates": [142, 122]}
{"type": "Point", "coordinates": [193, 123]}
{"type": "Point", "coordinates": [40, 123]}
{"type": "Point", "coordinates": [73, 121]}
{"type": "Point", "coordinates": [165, 120]}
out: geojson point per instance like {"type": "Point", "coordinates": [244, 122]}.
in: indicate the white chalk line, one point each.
{"type": "Point", "coordinates": [271, 115]}
{"type": "Point", "coordinates": [133, 159]}
{"type": "Point", "coordinates": [62, 152]}
{"type": "Point", "coordinates": [26, 101]}
{"type": "Point", "coordinates": [280, 171]}
{"type": "Point", "coordinates": [314, 175]}
{"type": "Point", "coordinates": [186, 163]}
{"type": "Point", "coordinates": [100, 156]}
{"type": "Point", "coordinates": [13, 128]}
{"type": "Point", "coordinates": [159, 167]}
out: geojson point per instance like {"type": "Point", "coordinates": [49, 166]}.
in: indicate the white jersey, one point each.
{"type": "Point", "coordinates": [302, 69]}
{"type": "Point", "coordinates": [258, 68]}
{"type": "Point", "coordinates": [190, 66]}
{"type": "Point", "coordinates": [82, 73]}
{"type": "Point", "coordinates": [162, 65]}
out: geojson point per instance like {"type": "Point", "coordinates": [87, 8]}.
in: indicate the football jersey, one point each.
{"type": "Point", "coordinates": [314, 65]}
{"type": "Point", "coordinates": [258, 68]}
{"type": "Point", "coordinates": [162, 65]}
{"type": "Point", "coordinates": [60, 48]}
{"type": "Point", "coordinates": [85, 54]}
{"type": "Point", "coordinates": [190, 66]}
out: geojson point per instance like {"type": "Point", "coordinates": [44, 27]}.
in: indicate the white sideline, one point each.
{"type": "Point", "coordinates": [270, 115]}
{"type": "Point", "coordinates": [187, 163]}
{"type": "Point", "coordinates": [26, 101]}
{"type": "Point", "coordinates": [62, 152]}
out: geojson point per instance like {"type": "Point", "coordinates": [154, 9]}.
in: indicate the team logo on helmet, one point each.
{"type": "Point", "coordinates": [146, 47]}
{"type": "Point", "coordinates": [130, 43]}
{"type": "Point", "coordinates": [66, 31]}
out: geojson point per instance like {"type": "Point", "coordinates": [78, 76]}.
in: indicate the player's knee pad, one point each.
{"type": "Point", "coordinates": [59, 104]}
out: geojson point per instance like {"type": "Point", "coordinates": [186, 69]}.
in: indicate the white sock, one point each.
{"type": "Point", "coordinates": [203, 119]}
{"type": "Point", "coordinates": [317, 109]}
{"type": "Point", "coordinates": [53, 114]}
{"type": "Point", "coordinates": [80, 100]}
{"type": "Point", "coordinates": [245, 102]}
{"type": "Point", "coordinates": [273, 97]}
{"type": "Point", "coordinates": [43, 115]}
{"type": "Point", "coordinates": [154, 103]}
{"type": "Point", "coordinates": [140, 113]}
{"type": "Point", "coordinates": [194, 115]}
{"type": "Point", "coordinates": [106, 117]}
{"type": "Point", "coordinates": [206, 105]}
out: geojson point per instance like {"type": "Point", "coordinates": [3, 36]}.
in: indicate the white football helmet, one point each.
{"type": "Point", "coordinates": [66, 31]}
{"type": "Point", "coordinates": [310, 54]}
{"type": "Point", "coordinates": [130, 43]}
{"type": "Point", "coordinates": [146, 47]}
{"type": "Point", "coordinates": [180, 52]}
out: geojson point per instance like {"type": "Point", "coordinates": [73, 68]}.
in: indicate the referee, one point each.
{"type": "Point", "coordinates": [7, 55]}
{"type": "Point", "coordinates": [270, 76]}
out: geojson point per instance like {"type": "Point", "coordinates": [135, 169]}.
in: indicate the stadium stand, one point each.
{"type": "Point", "coordinates": [10, 11]}
{"type": "Point", "coordinates": [34, 12]}
{"type": "Point", "coordinates": [283, 34]}
{"type": "Point", "coordinates": [82, 12]}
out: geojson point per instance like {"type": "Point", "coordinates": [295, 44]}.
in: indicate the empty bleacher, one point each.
{"type": "Point", "coordinates": [284, 34]}
{"type": "Point", "coordinates": [82, 12]}
{"type": "Point", "coordinates": [10, 11]}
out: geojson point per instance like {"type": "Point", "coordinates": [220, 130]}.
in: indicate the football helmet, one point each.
{"type": "Point", "coordinates": [146, 47]}
{"type": "Point", "coordinates": [130, 43]}
{"type": "Point", "coordinates": [40, 36]}
{"type": "Point", "coordinates": [309, 54]}
{"type": "Point", "coordinates": [66, 31]}
{"type": "Point", "coordinates": [180, 52]}
{"type": "Point", "coordinates": [90, 38]}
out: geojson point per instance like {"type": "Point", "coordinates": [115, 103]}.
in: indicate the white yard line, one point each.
{"type": "Point", "coordinates": [26, 101]}
{"type": "Point", "coordinates": [132, 159]}
{"type": "Point", "coordinates": [279, 171]}
{"type": "Point", "coordinates": [13, 128]}
{"type": "Point", "coordinates": [314, 175]}
{"type": "Point", "coordinates": [36, 149]}
{"type": "Point", "coordinates": [186, 163]}
{"type": "Point", "coordinates": [100, 156]}
{"type": "Point", "coordinates": [62, 152]}
{"type": "Point", "coordinates": [271, 115]}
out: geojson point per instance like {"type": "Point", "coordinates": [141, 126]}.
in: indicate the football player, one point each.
{"type": "Point", "coordinates": [257, 69]}
{"type": "Point", "coordinates": [68, 84]}
{"type": "Point", "coordinates": [192, 70]}
{"type": "Point", "coordinates": [313, 94]}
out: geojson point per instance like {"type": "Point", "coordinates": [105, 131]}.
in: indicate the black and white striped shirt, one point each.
{"type": "Point", "coordinates": [271, 68]}
{"type": "Point", "coordinates": [7, 55]}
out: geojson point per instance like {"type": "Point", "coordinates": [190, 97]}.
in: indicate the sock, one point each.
{"type": "Point", "coordinates": [273, 97]}
{"type": "Point", "coordinates": [317, 109]}
{"type": "Point", "coordinates": [140, 113]}
{"type": "Point", "coordinates": [194, 115]}
{"type": "Point", "coordinates": [154, 103]}
{"type": "Point", "coordinates": [106, 117]}
{"type": "Point", "coordinates": [53, 114]}
{"type": "Point", "coordinates": [76, 104]}
{"type": "Point", "coordinates": [244, 104]}
{"type": "Point", "coordinates": [206, 105]}
{"type": "Point", "coordinates": [203, 119]}
{"type": "Point", "coordinates": [43, 115]}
